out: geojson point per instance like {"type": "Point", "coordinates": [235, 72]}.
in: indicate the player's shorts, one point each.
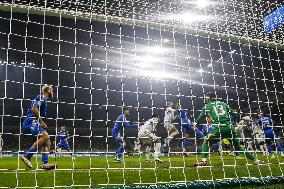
{"type": "Point", "coordinates": [63, 144]}
{"type": "Point", "coordinates": [32, 126]}
{"type": "Point", "coordinates": [147, 138]}
{"type": "Point", "coordinates": [118, 139]}
{"type": "Point", "coordinates": [169, 126]}
{"type": "Point", "coordinates": [199, 134]}
{"type": "Point", "coordinates": [225, 131]}
{"type": "Point", "coordinates": [269, 136]}
{"type": "Point", "coordinates": [186, 125]}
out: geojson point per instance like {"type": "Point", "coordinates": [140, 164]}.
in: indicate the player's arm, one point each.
{"type": "Point", "coordinates": [174, 113]}
{"type": "Point", "coordinates": [36, 113]}
{"type": "Point", "coordinates": [68, 136]}
{"type": "Point", "coordinates": [126, 123]}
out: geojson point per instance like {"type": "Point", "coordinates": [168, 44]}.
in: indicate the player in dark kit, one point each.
{"type": "Point", "coordinates": [34, 124]}
{"type": "Point", "coordinates": [187, 126]}
{"type": "Point", "coordinates": [221, 128]}
{"type": "Point", "coordinates": [63, 135]}
{"type": "Point", "coordinates": [118, 133]}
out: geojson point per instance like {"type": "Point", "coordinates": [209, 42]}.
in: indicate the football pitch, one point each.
{"type": "Point", "coordinates": [85, 172]}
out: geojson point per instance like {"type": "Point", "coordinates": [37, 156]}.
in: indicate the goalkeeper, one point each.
{"type": "Point", "coordinates": [222, 128]}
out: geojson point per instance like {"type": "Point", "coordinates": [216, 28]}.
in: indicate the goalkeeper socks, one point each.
{"type": "Point", "coordinates": [248, 154]}
{"type": "Point", "coordinates": [30, 153]}
{"type": "Point", "coordinates": [185, 143]}
{"type": "Point", "coordinates": [205, 150]}
{"type": "Point", "coordinates": [44, 158]}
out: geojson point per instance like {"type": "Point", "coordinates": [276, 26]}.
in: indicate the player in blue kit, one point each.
{"type": "Point", "coordinates": [266, 123]}
{"type": "Point", "coordinates": [63, 135]}
{"type": "Point", "coordinates": [34, 124]}
{"type": "Point", "coordinates": [187, 126]}
{"type": "Point", "coordinates": [118, 133]}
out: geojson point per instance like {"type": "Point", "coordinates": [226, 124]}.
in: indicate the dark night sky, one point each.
{"type": "Point", "coordinates": [92, 84]}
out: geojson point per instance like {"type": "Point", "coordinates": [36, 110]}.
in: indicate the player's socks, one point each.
{"type": "Point", "coordinates": [44, 158]}
{"type": "Point", "coordinates": [157, 149]}
{"type": "Point", "coordinates": [205, 150]}
{"type": "Point", "coordinates": [120, 151]}
{"type": "Point", "coordinates": [147, 153]}
{"type": "Point", "coordinates": [185, 143]}
{"type": "Point", "coordinates": [30, 153]}
{"type": "Point", "coordinates": [270, 149]}
{"type": "Point", "coordinates": [279, 148]}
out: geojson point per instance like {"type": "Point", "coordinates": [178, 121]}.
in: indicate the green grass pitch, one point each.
{"type": "Point", "coordinates": [83, 172]}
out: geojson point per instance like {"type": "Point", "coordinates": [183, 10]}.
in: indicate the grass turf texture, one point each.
{"type": "Point", "coordinates": [104, 172]}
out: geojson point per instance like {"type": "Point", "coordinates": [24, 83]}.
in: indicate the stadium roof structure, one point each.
{"type": "Point", "coordinates": [231, 20]}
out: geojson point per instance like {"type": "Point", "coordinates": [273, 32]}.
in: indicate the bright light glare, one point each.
{"type": "Point", "coordinates": [202, 3]}
{"type": "Point", "coordinates": [155, 50]}
{"type": "Point", "coordinates": [188, 18]}
{"type": "Point", "coordinates": [154, 74]}
{"type": "Point", "coordinates": [201, 70]}
{"type": "Point", "coordinates": [166, 40]}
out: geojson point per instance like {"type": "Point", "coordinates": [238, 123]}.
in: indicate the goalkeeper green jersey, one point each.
{"type": "Point", "coordinates": [218, 112]}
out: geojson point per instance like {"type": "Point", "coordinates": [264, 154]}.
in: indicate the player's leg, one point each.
{"type": "Point", "coordinates": [157, 148]}
{"type": "Point", "coordinates": [269, 140]}
{"type": "Point", "coordinates": [42, 138]}
{"type": "Point", "coordinates": [278, 146]}
{"type": "Point", "coordinates": [44, 160]}
{"type": "Point", "coordinates": [137, 145]}
{"type": "Point", "coordinates": [238, 147]}
{"type": "Point", "coordinates": [263, 148]}
{"type": "Point", "coordinates": [212, 137]}
{"type": "Point", "coordinates": [121, 145]}
{"type": "Point", "coordinates": [173, 132]}
{"type": "Point", "coordinates": [145, 141]}
{"type": "Point", "coordinates": [279, 149]}
{"type": "Point", "coordinates": [185, 143]}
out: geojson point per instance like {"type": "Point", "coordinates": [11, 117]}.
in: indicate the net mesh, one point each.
{"type": "Point", "coordinates": [104, 55]}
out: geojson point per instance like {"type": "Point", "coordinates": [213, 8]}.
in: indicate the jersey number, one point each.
{"type": "Point", "coordinates": [219, 111]}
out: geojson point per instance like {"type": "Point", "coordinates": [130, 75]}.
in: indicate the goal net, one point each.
{"type": "Point", "coordinates": [102, 56]}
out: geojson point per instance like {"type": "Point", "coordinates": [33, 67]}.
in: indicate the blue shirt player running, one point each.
{"type": "Point", "coordinates": [266, 123]}
{"type": "Point", "coordinates": [187, 126]}
{"type": "Point", "coordinates": [63, 135]}
{"type": "Point", "coordinates": [117, 130]}
{"type": "Point", "coordinates": [33, 124]}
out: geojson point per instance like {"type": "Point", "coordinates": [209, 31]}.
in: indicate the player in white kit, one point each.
{"type": "Point", "coordinates": [147, 137]}
{"type": "Point", "coordinates": [170, 116]}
